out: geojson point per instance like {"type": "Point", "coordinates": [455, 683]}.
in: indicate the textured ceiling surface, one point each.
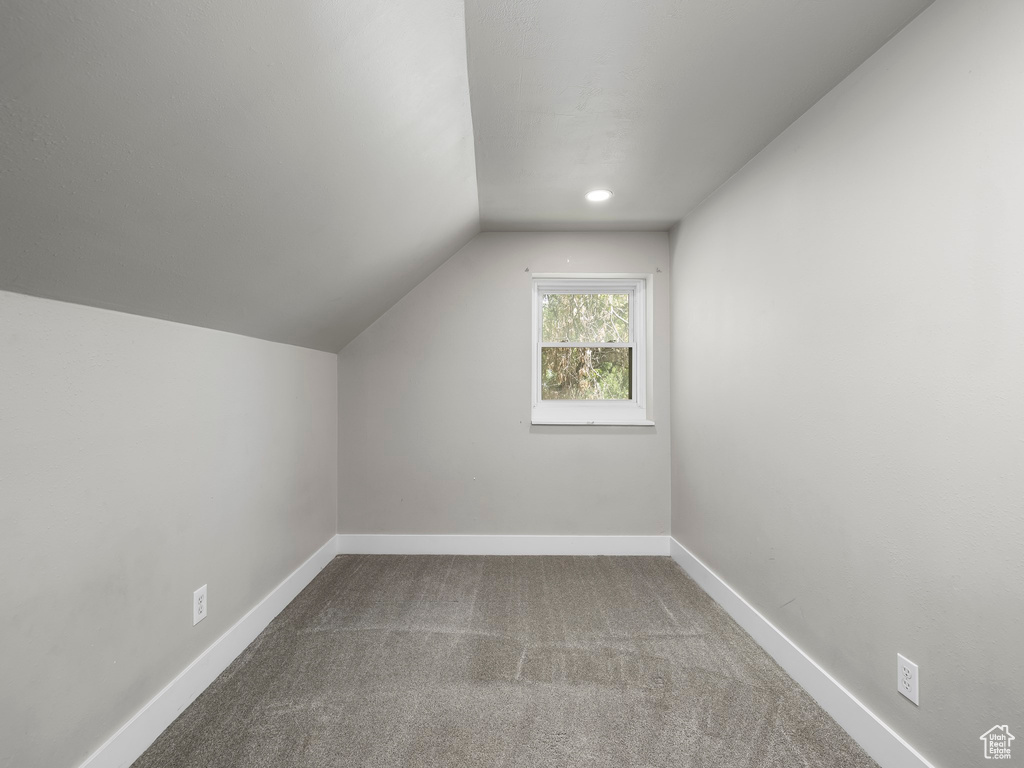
{"type": "Point", "coordinates": [660, 100]}
{"type": "Point", "coordinates": [288, 169]}
{"type": "Point", "coordinates": [285, 169]}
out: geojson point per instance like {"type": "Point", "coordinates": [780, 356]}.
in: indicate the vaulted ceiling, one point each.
{"type": "Point", "coordinates": [288, 169]}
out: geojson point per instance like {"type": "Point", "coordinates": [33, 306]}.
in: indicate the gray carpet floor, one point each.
{"type": "Point", "coordinates": [520, 662]}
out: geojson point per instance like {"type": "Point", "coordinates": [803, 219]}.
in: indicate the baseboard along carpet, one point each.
{"type": "Point", "coordinates": [522, 662]}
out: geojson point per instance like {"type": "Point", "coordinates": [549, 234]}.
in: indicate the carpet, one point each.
{"type": "Point", "coordinates": [519, 662]}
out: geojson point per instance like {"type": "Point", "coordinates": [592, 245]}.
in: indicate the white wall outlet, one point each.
{"type": "Point", "coordinates": [199, 606]}
{"type": "Point", "coordinates": [906, 678]}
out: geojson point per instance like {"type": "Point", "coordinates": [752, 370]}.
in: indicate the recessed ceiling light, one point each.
{"type": "Point", "coordinates": [598, 195]}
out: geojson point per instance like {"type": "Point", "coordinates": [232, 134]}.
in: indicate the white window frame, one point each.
{"type": "Point", "coordinates": [597, 412]}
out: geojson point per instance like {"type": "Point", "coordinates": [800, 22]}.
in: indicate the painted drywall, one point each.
{"type": "Point", "coordinates": [660, 101]}
{"type": "Point", "coordinates": [434, 405]}
{"type": "Point", "coordinates": [139, 460]}
{"type": "Point", "coordinates": [235, 165]}
{"type": "Point", "coordinates": [848, 352]}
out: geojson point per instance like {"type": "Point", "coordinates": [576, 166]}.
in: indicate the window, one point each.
{"type": "Point", "coordinates": [590, 349]}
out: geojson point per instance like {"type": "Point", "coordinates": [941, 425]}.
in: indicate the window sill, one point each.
{"type": "Point", "coordinates": [592, 423]}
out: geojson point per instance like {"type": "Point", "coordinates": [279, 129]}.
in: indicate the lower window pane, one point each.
{"type": "Point", "coordinates": [586, 373]}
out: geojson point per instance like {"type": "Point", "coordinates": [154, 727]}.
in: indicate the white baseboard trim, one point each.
{"type": "Point", "coordinates": [882, 743]}
{"type": "Point", "coordinates": [135, 736]}
{"type": "Point", "coordinates": [391, 544]}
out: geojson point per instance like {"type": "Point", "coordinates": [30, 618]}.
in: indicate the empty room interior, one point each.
{"type": "Point", "coordinates": [527, 384]}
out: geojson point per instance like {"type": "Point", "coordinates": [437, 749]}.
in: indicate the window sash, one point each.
{"type": "Point", "coordinates": [617, 401]}
{"type": "Point", "coordinates": [588, 287]}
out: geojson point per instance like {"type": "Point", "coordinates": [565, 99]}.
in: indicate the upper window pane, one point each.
{"type": "Point", "coordinates": [586, 318]}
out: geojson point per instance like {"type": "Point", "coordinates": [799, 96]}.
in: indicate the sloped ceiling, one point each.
{"type": "Point", "coordinates": [288, 169]}
{"type": "Point", "coordinates": [284, 169]}
{"type": "Point", "coordinates": [659, 101]}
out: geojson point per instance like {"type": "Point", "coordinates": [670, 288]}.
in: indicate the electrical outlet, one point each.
{"type": "Point", "coordinates": [907, 678]}
{"type": "Point", "coordinates": [199, 605]}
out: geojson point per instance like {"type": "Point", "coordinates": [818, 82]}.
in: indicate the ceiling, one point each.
{"type": "Point", "coordinates": [284, 169]}
{"type": "Point", "coordinates": [660, 101]}
{"type": "Point", "coordinates": [288, 169]}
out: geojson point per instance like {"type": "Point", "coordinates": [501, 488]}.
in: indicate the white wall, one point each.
{"type": "Point", "coordinates": [434, 405]}
{"type": "Point", "coordinates": [140, 459]}
{"type": "Point", "coordinates": [848, 370]}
